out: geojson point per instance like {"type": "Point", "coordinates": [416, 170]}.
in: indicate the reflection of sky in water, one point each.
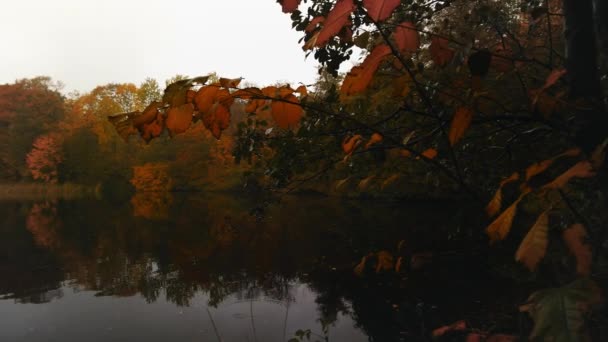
{"type": "Point", "coordinates": [81, 316]}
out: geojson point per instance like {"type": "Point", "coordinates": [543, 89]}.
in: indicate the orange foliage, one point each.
{"type": "Point", "coordinates": [44, 158]}
{"type": "Point", "coordinates": [576, 239]}
{"type": "Point", "coordinates": [287, 113]}
{"type": "Point", "coordinates": [152, 177]}
{"type": "Point", "coordinates": [357, 80]}
{"type": "Point", "coordinates": [179, 118]}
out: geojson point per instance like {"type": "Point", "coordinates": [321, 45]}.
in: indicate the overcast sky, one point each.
{"type": "Point", "coordinates": [85, 43]}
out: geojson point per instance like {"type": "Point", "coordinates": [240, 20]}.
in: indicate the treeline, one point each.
{"type": "Point", "coordinates": [47, 137]}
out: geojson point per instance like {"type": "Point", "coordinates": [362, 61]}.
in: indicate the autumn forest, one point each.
{"type": "Point", "coordinates": [443, 179]}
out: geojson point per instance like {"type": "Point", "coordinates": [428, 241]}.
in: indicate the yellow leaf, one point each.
{"type": "Point", "coordinates": [499, 229]}
{"type": "Point", "coordinates": [576, 240]}
{"type": "Point", "coordinates": [534, 246]}
{"type": "Point", "coordinates": [385, 262]}
{"type": "Point", "coordinates": [375, 138]}
{"type": "Point", "coordinates": [460, 123]}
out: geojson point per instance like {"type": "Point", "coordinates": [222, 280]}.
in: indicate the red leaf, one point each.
{"type": "Point", "coordinates": [314, 22]}
{"type": "Point", "coordinates": [359, 77]}
{"type": "Point", "coordinates": [380, 10]}
{"type": "Point", "coordinates": [287, 114]}
{"type": "Point", "coordinates": [289, 5]}
{"type": "Point", "coordinates": [553, 77]}
{"type": "Point", "coordinates": [407, 37]}
{"type": "Point", "coordinates": [337, 18]}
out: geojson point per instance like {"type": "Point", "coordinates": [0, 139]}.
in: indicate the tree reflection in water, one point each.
{"type": "Point", "coordinates": [213, 246]}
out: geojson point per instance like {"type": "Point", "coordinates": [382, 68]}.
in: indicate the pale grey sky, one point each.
{"type": "Point", "coordinates": [85, 43]}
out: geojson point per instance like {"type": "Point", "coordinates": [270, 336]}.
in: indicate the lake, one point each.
{"type": "Point", "coordinates": [224, 267]}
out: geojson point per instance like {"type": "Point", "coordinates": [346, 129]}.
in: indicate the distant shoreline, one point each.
{"type": "Point", "coordinates": [34, 191]}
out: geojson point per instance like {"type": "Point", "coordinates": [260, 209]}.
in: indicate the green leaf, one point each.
{"type": "Point", "coordinates": [559, 313]}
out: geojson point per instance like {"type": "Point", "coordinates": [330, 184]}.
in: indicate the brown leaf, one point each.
{"type": "Point", "coordinates": [364, 183]}
{"type": "Point", "coordinates": [407, 37]}
{"type": "Point", "coordinates": [302, 91]}
{"type": "Point", "coordinates": [576, 238]}
{"type": "Point", "coordinates": [375, 138]}
{"type": "Point", "coordinates": [287, 114]}
{"type": "Point", "coordinates": [534, 246]}
{"type": "Point", "coordinates": [385, 262]}
{"type": "Point", "coordinates": [499, 229]}
{"type": "Point", "coordinates": [495, 204]}
{"type": "Point", "coordinates": [553, 77]}
{"type": "Point", "coordinates": [230, 82]}
{"type": "Point", "coordinates": [360, 268]}
{"type": "Point", "coordinates": [441, 53]}
{"type": "Point", "coordinates": [349, 144]}
{"type": "Point", "coordinates": [179, 118]}
{"type": "Point", "coordinates": [380, 10]}
{"type": "Point", "coordinates": [337, 18]}
{"type": "Point", "coordinates": [582, 169]}
{"type": "Point", "coordinates": [460, 123]}
{"type": "Point", "coordinates": [205, 97]}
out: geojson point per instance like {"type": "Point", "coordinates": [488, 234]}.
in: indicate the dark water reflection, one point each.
{"type": "Point", "coordinates": [205, 268]}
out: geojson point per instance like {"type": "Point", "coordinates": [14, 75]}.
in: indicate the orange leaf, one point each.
{"type": "Point", "coordinates": [385, 262]}
{"type": "Point", "coordinates": [406, 37]}
{"type": "Point", "coordinates": [441, 53]}
{"type": "Point", "coordinates": [357, 80]}
{"type": "Point", "coordinates": [534, 246]}
{"type": "Point", "coordinates": [148, 115]}
{"type": "Point", "coordinates": [553, 77]}
{"type": "Point", "coordinates": [287, 115]}
{"type": "Point", "coordinates": [248, 93]}
{"type": "Point", "coordinates": [179, 118]}
{"type": "Point", "coordinates": [364, 183]}
{"type": "Point", "coordinates": [456, 326]}
{"type": "Point", "coordinates": [430, 153]}
{"type": "Point", "coordinates": [582, 169]}
{"type": "Point", "coordinates": [537, 168]}
{"type": "Point", "coordinates": [496, 203]}
{"type": "Point", "coordinates": [289, 5]}
{"type": "Point", "coordinates": [285, 91]}
{"type": "Point", "coordinates": [302, 91]}
{"type": "Point", "coordinates": [337, 18]}
{"type": "Point", "coordinates": [499, 229]}
{"type": "Point", "coordinates": [380, 10]}
{"type": "Point", "coordinates": [270, 91]}
{"type": "Point", "coordinates": [576, 240]}
{"type": "Point", "coordinates": [375, 138]}
{"type": "Point", "coordinates": [460, 123]}
{"type": "Point", "coordinates": [349, 144]}
{"type": "Point", "coordinates": [205, 97]}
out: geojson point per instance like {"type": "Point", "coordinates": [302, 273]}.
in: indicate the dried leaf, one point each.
{"type": "Point", "coordinates": [495, 204]}
{"type": "Point", "coordinates": [553, 77]}
{"type": "Point", "coordinates": [230, 82]}
{"type": "Point", "coordinates": [407, 37]}
{"type": "Point", "coordinates": [205, 97]}
{"type": "Point", "coordinates": [364, 183]}
{"type": "Point", "coordinates": [360, 268]}
{"type": "Point", "coordinates": [380, 10]}
{"type": "Point", "coordinates": [179, 118]}
{"type": "Point", "coordinates": [538, 168]}
{"type": "Point", "coordinates": [385, 262]}
{"type": "Point", "coordinates": [582, 169]}
{"type": "Point", "coordinates": [337, 18]}
{"type": "Point", "coordinates": [534, 246]}
{"type": "Point", "coordinates": [460, 123]}
{"type": "Point", "coordinates": [349, 144]}
{"type": "Point", "coordinates": [390, 180]}
{"type": "Point", "coordinates": [456, 326]}
{"type": "Point", "coordinates": [430, 153]}
{"type": "Point", "coordinates": [359, 77]}
{"type": "Point", "coordinates": [374, 139]}
{"type": "Point", "coordinates": [302, 91]}
{"type": "Point", "coordinates": [287, 113]}
{"type": "Point", "coordinates": [500, 228]}
{"type": "Point", "coordinates": [576, 239]}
